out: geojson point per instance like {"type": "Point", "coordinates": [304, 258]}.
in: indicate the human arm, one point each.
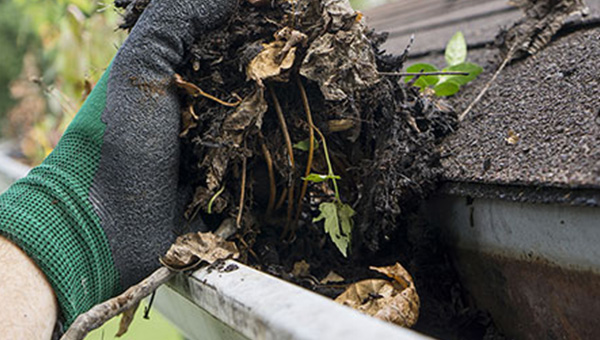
{"type": "Point", "coordinates": [97, 213]}
{"type": "Point", "coordinates": [29, 306]}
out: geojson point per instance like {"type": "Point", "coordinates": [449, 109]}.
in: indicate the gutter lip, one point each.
{"type": "Point", "coordinates": [524, 193]}
{"type": "Point", "coordinates": [261, 306]}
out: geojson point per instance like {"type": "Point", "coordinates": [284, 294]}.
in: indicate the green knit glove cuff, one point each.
{"type": "Point", "coordinates": [49, 215]}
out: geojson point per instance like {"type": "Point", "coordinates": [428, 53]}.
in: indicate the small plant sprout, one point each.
{"type": "Point", "coordinates": [442, 84]}
{"type": "Point", "coordinates": [337, 215]}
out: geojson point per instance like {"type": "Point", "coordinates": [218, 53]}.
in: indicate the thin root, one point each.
{"type": "Point", "coordinates": [272, 187]}
{"type": "Point", "coordinates": [290, 149]}
{"type": "Point", "coordinates": [238, 220]}
{"type": "Point", "coordinates": [311, 151]}
{"type": "Point", "coordinates": [195, 91]}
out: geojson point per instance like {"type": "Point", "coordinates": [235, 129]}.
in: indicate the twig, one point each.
{"type": "Point", "coordinates": [238, 220]}
{"type": "Point", "coordinates": [105, 311]}
{"type": "Point", "coordinates": [311, 150]}
{"type": "Point", "coordinates": [439, 73]}
{"type": "Point", "coordinates": [290, 149]}
{"type": "Point", "coordinates": [508, 57]}
{"type": "Point", "coordinates": [245, 244]}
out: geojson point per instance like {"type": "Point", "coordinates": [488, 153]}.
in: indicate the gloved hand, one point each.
{"type": "Point", "coordinates": [99, 211]}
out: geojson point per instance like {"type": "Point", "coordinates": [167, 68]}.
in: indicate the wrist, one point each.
{"type": "Point", "coordinates": [29, 306]}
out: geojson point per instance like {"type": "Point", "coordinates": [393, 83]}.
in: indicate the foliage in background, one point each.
{"type": "Point", "coordinates": [14, 39]}
{"type": "Point", "coordinates": [75, 41]}
{"type": "Point", "coordinates": [456, 60]}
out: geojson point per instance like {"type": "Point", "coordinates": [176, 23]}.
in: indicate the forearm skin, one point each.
{"type": "Point", "coordinates": [29, 309]}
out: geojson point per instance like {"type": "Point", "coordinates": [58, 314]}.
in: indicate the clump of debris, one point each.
{"type": "Point", "coordinates": [303, 152]}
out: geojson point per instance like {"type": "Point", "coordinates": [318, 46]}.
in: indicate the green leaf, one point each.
{"type": "Point", "coordinates": [423, 81]}
{"type": "Point", "coordinates": [473, 69]}
{"type": "Point", "coordinates": [446, 88]}
{"type": "Point", "coordinates": [338, 223]}
{"type": "Point", "coordinates": [316, 178]}
{"type": "Point", "coordinates": [456, 50]}
{"type": "Point", "coordinates": [303, 145]}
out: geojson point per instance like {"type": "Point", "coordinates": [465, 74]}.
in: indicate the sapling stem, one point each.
{"type": "Point", "coordinates": [330, 172]}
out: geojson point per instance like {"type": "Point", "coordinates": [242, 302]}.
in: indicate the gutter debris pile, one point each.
{"type": "Point", "coordinates": [301, 151]}
{"type": "Point", "coordinates": [314, 163]}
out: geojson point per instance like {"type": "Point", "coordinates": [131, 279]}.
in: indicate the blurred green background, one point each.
{"type": "Point", "coordinates": [53, 52]}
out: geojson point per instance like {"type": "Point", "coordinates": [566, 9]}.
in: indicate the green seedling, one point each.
{"type": "Point", "coordinates": [337, 215]}
{"type": "Point", "coordinates": [447, 85]}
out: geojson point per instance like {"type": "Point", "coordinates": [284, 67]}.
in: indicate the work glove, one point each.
{"type": "Point", "coordinates": [99, 211]}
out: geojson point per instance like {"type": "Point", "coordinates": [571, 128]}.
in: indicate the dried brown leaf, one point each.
{"type": "Point", "coordinates": [277, 57]}
{"type": "Point", "coordinates": [188, 120]}
{"type": "Point", "coordinates": [394, 301]}
{"type": "Point", "coordinates": [332, 277]}
{"type": "Point", "coordinates": [248, 114]}
{"type": "Point", "coordinates": [339, 14]}
{"type": "Point", "coordinates": [301, 269]}
{"type": "Point", "coordinates": [271, 62]}
{"type": "Point", "coordinates": [191, 249]}
{"type": "Point", "coordinates": [342, 62]}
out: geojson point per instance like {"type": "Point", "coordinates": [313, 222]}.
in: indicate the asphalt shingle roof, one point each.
{"type": "Point", "coordinates": [550, 102]}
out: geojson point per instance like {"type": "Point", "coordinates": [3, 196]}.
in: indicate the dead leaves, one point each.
{"type": "Point", "coordinates": [393, 300]}
{"type": "Point", "coordinates": [342, 60]}
{"type": "Point", "coordinates": [542, 19]}
{"type": "Point", "coordinates": [276, 58]}
{"type": "Point", "coordinates": [191, 249]}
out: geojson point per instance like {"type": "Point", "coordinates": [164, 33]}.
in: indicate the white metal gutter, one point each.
{"type": "Point", "coordinates": [244, 303]}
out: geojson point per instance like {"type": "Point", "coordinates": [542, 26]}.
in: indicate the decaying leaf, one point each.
{"type": "Point", "coordinates": [542, 19]}
{"type": "Point", "coordinates": [342, 60]}
{"type": "Point", "coordinates": [339, 14]}
{"type": "Point", "coordinates": [332, 277]}
{"type": "Point", "coordinates": [276, 58]}
{"type": "Point", "coordinates": [301, 269]}
{"type": "Point", "coordinates": [126, 320]}
{"type": "Point", "coordinates": [513, 137]}
{"type": "Point", "coordinates": [191, 249]}
{"type": "Point", "coordinates": [247, 115]}
{"type": "Point", "coordinates": [394, 300]}
{"type": "Point", "coordinates": [189, 120]}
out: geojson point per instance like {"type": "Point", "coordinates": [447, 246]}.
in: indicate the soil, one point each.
{"type": "Point", "coordinates": [383, 138]}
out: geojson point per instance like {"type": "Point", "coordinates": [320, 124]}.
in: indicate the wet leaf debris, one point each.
{"type": "Point", "coordinates": [296, 141]}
